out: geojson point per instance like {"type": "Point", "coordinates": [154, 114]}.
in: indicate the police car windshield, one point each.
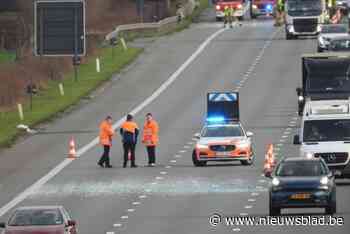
{"type": "Point", "coordinates": [222, 131]}
{"type": "Point", "coordinates": [298, 168]}
{"type": "Point", "coordinates": [34, 217]}
{"type": "Point", "coordinates": [334, 29]}
{"type": "Point", "coordinates": [326, 130]}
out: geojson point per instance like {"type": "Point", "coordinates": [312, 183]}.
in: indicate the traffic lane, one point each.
{"type": "Point", "coordinates": [190, 84]}
{"type": "Point", "coordinates": [34, 156]}
{"type": "Point", "coordinates": [289, 78]}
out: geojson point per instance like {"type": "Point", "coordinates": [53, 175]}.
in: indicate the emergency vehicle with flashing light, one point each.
{"type": "Point", "coordinates": [262, 7]}
{"type": "Point", "coordinates": [223, 137]}
{"type": "Point", "coordinates": [240, 7]}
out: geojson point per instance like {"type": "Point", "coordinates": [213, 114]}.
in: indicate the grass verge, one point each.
{"type": "Point", "coordinates": [49, 102]}
{"type": "Point", "coordinates": [6, 56]}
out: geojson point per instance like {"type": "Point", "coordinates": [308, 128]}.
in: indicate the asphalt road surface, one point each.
{"type": "Point", "coordinates": [174, 197]}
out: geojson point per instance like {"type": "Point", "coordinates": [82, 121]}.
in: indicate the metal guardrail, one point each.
{"type": "Point", "coordinates": [187, 9]}
{"type": "Point", "coordinates": [129, 27]}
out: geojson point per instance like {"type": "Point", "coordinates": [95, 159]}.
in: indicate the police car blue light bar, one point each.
{"type": "Point", "coordinates": [269, 7]}
{"type": "Point", "coordinates": [216, 119]}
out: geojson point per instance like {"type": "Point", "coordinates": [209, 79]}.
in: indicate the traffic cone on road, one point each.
{"type": "Point", "coordinates": [72, 151]}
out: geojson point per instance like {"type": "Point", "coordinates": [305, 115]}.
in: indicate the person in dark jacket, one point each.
{"type": "Point", "coordinates": [129, 132]}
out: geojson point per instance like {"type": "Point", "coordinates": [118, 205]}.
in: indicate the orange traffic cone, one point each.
{"type": "Point", "coordinates": [72, 152]}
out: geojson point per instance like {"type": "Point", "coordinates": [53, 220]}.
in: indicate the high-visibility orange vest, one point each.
{"type": "Point", "coordinates": [106, 133]}
{"type": "Point", "coordinates": [150, 133]}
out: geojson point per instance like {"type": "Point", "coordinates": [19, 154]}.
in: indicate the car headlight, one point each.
{"type": "Point", "coordinates": [308, 155]}
{"type": "Point", "coordinates": [300, 98]}
{"type": "Point", "coordinates": [324, 180]}
{"type": "Point", "coordinates": [275, 181]}
{"type": "Point", "coordinates": [201, 146]}
{"type": "Point", "coordinates": [243, 144]}
{"type": "Point", "coordinates": [255, 6]}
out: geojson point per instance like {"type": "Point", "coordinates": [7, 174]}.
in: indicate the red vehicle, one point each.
{"type": "Point", "coordinates": [40, 219]}
{"type": "Point", "coordinates": [241, 7]}
{"type": "Point", "coordinates": [262, 7]}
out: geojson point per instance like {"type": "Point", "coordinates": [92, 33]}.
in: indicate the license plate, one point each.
{"type": "Point", "coordinates": [223, 154]}
{"type": "Point", "coordinates": [300, 196]}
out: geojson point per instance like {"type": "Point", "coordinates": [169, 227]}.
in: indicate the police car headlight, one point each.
{"type": "Point", "coordinates": [301, 98]}
{"type": "Point", "coordinates": [202, 147]}
{"type": "Point", "coordinates": [324, 180]}
{"type": "Point", "coordinates": [243, 144]}
{"type": "Point", "coordinates": [275, 182]}
{"type": "Point", "coordinates": [255, 6]}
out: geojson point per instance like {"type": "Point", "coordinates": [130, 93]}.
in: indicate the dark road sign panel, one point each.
{"type": "Point", "coordinates": [59, 28]}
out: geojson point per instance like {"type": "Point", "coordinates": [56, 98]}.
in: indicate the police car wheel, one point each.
{"type": "Point", "coordinates": [197, 163]}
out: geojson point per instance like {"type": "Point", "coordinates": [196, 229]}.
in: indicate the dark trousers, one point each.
{"type": "Point", "coordinates": [151, 151]}
{"type": "Point", "coordinates": [129, 147]}
{"type": "Point", "coordinates": [104, 160]}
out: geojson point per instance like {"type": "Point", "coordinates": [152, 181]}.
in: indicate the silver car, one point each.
{"type": "Point", "coordinates": [328, 33]}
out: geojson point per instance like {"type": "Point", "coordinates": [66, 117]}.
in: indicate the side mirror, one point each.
{"type": "Point", "coordinates": [2, 225]}
{"type": "Point", "coordinates": [71, 223]}
{"type": "Point", "coordinates": [296, 140]}
{"type": "Point", "coordinates": [197, 135]}
{"type": "Point", "coordinates": [249, 134]}
{"type": "Point", "coordinates": [299, 91]}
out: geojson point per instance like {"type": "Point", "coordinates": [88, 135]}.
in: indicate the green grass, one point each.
{"type": "Point", "coordinates": [49, 102]}
{"type": "Point", "coordinates": [7, 56]}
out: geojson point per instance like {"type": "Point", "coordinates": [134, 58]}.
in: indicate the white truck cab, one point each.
{"type": "Point", "coordinates": [325, 133]}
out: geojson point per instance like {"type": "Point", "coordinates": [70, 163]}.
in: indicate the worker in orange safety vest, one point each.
{"type": "Point", "coordinates": [106, 134]}
{"type": "Point", "coordinates": [150, 138]}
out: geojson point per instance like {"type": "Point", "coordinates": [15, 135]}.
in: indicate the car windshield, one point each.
{"type": "Point", "coordinates": [340, 45]}
{"type": "Point", "coordinates": [223, 131]}
{"type": "Point", "coordinates": [304, 7]}
{"type": "Point", "coordinates": [326, 130]}
{"type": "Point", "coordinates": [34, 217]}
{"type": "Point", "coordinates": [301, 168]}
{"type": "Point", "coordinates": [334, 29]}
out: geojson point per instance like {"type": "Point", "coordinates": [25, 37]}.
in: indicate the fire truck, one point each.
{"type": "Point", "coordinates": [241, 7]}
{"type": "Point", "coordinates": [262, 7]}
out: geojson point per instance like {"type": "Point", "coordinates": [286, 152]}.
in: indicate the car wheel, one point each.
{"type": "Point", "coordinates": [240, 18]}
{"type": "Point", "coordinates": [332, 206]}
{"type": "Point", "coordinates": [274, 211]}
{"type": "Point", "coordinates": [248, 162]}
{"type": "Point", "coordinates": [197, 163]}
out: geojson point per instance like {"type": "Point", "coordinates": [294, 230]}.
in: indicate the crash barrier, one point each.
{"type": "Point", "coordinates": [270, 161]}
{"type": "Point", "coordinates": [183, 11]}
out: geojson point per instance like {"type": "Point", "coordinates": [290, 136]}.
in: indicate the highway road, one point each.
{"type": "Point", "coordinates": [174, 197]}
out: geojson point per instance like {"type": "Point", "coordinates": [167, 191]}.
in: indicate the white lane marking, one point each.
{"type": "Point", "coordinates": [131, 210]}
{"type": "Point", "coordinates": [154, 183]}
{"type": "Point", "coordinates": [236, 229]}
{"type": "Point", "coordinates": [124, 217]}
{"type": "Point", "coordinates": [279, 144]}
{"type": "Point", "coordinates": [22, 196]}
{"type": "Point", "coordinates": [136, 203]}
{"type": "Point", "coordinates": [182, 151]}
{"type": "Point", "coordinates": [186, 147]}
{"type": "Point", "coordinates": [173, 161]}
{"type": "Point", "coordinates": [195, 139]}
{"type": "Point", "coordinates": [109, 232]}
{"type": "Point", "coordinates": [117, 225]}
{"type": "Point", "coordinates": [262, 181]}
{"type": "Point", "coordinates": [142, 196]}
{"type": "Point", "coordinates": [254, 194]}
{"type": "Point", "coordinates": [243, 214]}
{"type": "Point", "coordinates": [168, 167]}
{"type": "Point", "coordinates": [163, 172]}
{"type": "Point", "coordinates": [159, 178]}
{"type": "Point", "coordinates": [148, 190]}
{"type": "Point", "coordinates": [248, 207]}
{"type": "Point", "coordinates": [251, 200]}
{"type": "Point", "coordinates": [177, 156]}
{"type": "Point", "coordinates": [285, 136]}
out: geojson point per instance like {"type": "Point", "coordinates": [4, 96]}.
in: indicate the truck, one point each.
{"type": "Point", "coordinates": [241, 7]}
{"type": "Point", "coordinates": [325, 76]}
{"type": "Point", "coordinates": [262, 7]}
{"type": "Point", "coordinates": [304, 17]}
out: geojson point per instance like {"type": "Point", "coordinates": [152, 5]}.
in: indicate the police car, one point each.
{"type": "Point", "coordinates": [223, 137]}
{"type": "Point", "coordinates": [325, 133]}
